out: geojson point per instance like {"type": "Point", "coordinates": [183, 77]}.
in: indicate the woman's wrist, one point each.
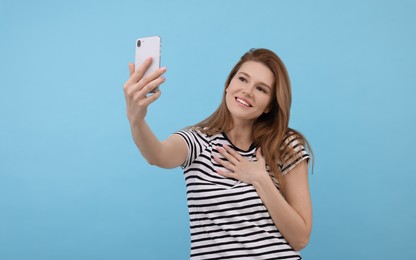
{"type": "Point", "coordinates": [262, 180]}
{"type": "Point", "coordinates": [136, 123]}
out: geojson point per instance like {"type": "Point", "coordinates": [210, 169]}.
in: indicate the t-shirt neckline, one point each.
{"type": "Point", "coordinates": [252, 146]}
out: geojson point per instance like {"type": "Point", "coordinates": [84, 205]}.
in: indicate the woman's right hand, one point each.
{"type": "Point", "coordinates": [137, 90]}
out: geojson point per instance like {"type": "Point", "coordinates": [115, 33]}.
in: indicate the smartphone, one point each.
{"type": "Point", "coordinates": [148, 47]}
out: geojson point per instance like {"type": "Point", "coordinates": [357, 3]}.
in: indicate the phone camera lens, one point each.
{"type": "Point", "coordinates": [139, 43]}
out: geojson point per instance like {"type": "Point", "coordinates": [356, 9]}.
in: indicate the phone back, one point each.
{"type": "Point", "coordinates": [148, 47]}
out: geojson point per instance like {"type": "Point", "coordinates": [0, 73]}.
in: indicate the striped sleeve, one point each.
{"type": "Point", "coordinates": [291, 160]}
{"type": "Point", "coordinates": [196, 143]}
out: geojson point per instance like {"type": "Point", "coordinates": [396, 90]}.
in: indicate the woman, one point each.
{"type": "Point", "coordinates": [246, 171]}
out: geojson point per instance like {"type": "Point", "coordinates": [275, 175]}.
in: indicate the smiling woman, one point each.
{"type": "Point", "coordinates": [245, 170]}
{"type": "Point", "coordinates": [247, 97]}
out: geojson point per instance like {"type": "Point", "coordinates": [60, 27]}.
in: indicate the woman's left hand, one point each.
{"type": "Point", "coordinates": [239, 167]}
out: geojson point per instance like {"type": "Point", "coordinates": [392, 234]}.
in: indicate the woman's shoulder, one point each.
{"type": "Point", "coordinates": [293, 150]}
{"type": "Point", "coordinates": [194, 132]}
{"type": "Point", "coordinates": [292, 139]}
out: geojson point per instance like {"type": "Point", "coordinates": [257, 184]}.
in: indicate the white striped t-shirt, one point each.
{"type": "Point", "coordinates": [227, 218]}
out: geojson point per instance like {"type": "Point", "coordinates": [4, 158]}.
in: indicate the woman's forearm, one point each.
{"type": "Point", "coordinates": [147, 142]}
{"type": "Point", "coordinates": [289, 222]}
{"type": "Point", "coordinates": [169, 153]}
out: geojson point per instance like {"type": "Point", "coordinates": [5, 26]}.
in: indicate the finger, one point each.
{"type": "Point", "coordinates": [225, 164]}
{"type": "Point", "coordinates": [226, 174]}
{"type": "Point", "coordinates": [227, 156]}
{"type": "Point", "coordinates": [233, 153]}
{"type": "Point", "coordinates": [150, 99]}
{"type": "Point", "coordinates": [136, 76]}
{"type": "Point", "coordinates": [149, 88]}
{"type": "Point", "coordinates": [131, 68]}
{"type": "Point", "coordinates": [259, 155]}
{"type": "Point", "coordinates": [152, 76]}
{"type": "Point", "coordinates": [144, 67]}
{"type": "Point", "coordinates": [138, 86]}
{"type": "Point", "coordinates": [128, 84]}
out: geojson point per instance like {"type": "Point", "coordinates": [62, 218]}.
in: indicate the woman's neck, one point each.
{"type": "Point", "coordinates": [241, 136]}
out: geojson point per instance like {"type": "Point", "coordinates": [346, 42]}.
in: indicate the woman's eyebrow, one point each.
{"type": "Point", "coordinates": [245, 74]}
{"type": "Point", "coordinates": [261, 83]}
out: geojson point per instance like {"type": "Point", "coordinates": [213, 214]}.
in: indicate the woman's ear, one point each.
{"type": "Point", "coordinates": [267, 110]}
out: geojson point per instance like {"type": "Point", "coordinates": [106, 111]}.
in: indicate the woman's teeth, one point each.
{"type": "Point", "coordinates": [243, 102]}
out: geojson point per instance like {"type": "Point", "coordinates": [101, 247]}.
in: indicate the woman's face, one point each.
{"type": "Point", "coordinates": [250, 91]}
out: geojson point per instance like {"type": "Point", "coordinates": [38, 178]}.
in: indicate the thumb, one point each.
{"type": "Point", "coordinates": [131, 68]}
{"type": "Point", "coordinates": [259, 155]}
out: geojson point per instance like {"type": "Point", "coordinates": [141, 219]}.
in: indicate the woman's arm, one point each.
{"type": "Point", "coordinates": [137, 90]}
{"type": "Point", "coordinates": [292, 214]}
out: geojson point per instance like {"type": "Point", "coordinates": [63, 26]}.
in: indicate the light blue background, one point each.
{"type": "Point", "coordinates": [74, 186]}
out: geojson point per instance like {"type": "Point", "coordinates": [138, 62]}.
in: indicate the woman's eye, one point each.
{"type": "Point", "coordinates": [242, 79]}
{"type": "Point", "coordinates": [262, 89]}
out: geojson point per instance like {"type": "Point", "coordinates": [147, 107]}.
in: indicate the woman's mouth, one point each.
{"type": "Point", "coordinates": [243, 102]}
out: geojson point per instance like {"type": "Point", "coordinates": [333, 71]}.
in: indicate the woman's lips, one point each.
{"type": "Point", "coordinates": [243, 102]}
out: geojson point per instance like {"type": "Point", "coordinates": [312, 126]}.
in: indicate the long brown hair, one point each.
{"type": "Point", "coordinates": [270, 129]}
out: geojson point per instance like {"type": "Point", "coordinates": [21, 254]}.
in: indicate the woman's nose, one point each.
{"type": "Point", "coordinates": [248, 91]}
